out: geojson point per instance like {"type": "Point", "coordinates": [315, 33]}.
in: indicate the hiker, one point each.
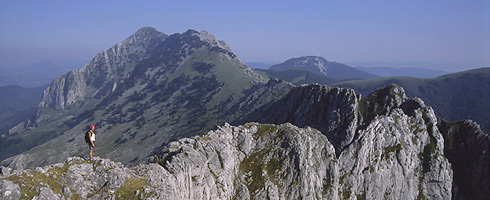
{"type": "Point", "coordinates": [90, 139]}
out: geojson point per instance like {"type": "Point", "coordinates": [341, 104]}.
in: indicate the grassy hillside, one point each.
{"type": "Point", "coordinates": [297, 77]}
{"type": "Point", "coordinates": [404, 71]}
{"type": "Point", "coordinates": [457, 96]}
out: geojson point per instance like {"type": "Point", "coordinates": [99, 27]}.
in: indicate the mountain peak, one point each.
{"type": "Point", "coordinates": [316, 63]}
{"type": "Point", "coordinates": [146, 33]}
{"type": "Point", "coordinates": [204, 35]}
{"type": "Point", "coordinates": [322, 66]}
{"type": "Point", "coordinates": [146, 30]}
{"type": "Point", "coordinates": [316, 59]}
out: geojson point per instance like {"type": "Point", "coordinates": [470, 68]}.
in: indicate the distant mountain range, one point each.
{"type": "Point", "coordinates": [405, 71]}
{"type": "Point", "coordinates": [36, 74]}
{"type": "Point", "coordinates": [417, 72]}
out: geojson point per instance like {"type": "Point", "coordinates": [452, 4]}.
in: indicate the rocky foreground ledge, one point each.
{"type": "Point", "coordinates": [254, 161]}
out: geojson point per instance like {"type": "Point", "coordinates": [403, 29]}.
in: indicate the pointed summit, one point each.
{"type": "Point", "coordinates": [208, 38]}
{"type": "Point", "coordinates": [145, 34]}
{"type": "Point", "coordinates": [146, 30]}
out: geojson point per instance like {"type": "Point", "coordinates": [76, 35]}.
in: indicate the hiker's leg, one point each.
{"type": "Point", "coordinates": [91, 150]}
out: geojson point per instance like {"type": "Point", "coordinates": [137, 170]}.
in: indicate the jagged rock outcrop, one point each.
{"type": "Point", "coordinates": [76, 178]}
{"type": "Point", "coordinates": [385, 116]}
{"type": "Point", "coordinates": [255, 161]}
{"type": "Point", "coordinates": [454, 97]}
{"type": "Point", "coordinates": [106, 68]}
{"type": "Point", "coordinates": [383, 146]}
{"type": "Point", "coordinates": [468, 150]}
{"type": "Point", "coordinates": [330, 110]}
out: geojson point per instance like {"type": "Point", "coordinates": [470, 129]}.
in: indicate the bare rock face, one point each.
{"type": "Point", "coordinates": [256, 161]}
{"type": "Point", "coordinates": [10, 190]}
{"type": "Point", "coordinates": [383, 146]}
{"type": "Point", "coordinates": [76, 178]}
{"type": "Point", "coordinates": [397, 155]}
{"type": "Point", "coordinates": [468, 150]}
{"type": "Point", "coordinates": [251, 161]}
{"type": "Point", "coordinates": [107, 67]}
{"type": "Point", "coordinates": [330, 110]}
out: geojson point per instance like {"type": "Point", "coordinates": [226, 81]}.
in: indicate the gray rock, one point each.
{"type": "Point", "coordinates": [105, 66]}
{"type": "Point", "coordinates": [46, 193]}
{"type": "Point", "coordinates": [467, 148]}
{"type": "Point", "coordinates": [10, 190]}
{"type": "Point", "coordinates": [67, 193]}
{"type": "Point", "coordinates": [384, 146]}
{"type": "Point", "coordinates": [5, 171]}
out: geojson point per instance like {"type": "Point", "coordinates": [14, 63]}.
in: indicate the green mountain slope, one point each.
{"type": "Point", "coordinates": [404, 71]}
{"type": "Point", "coordinates": [454, 97]}
{"type": "Point", "coordinates": [141, 94]}
{"type": "Point", "coordinates": [297, 77]}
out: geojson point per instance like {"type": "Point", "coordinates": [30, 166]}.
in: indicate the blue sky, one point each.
{"type": "Point", "coordinates": [445, 35]}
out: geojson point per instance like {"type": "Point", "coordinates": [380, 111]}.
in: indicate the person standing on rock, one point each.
{"type": "Point", "coordinates": [90, 139]}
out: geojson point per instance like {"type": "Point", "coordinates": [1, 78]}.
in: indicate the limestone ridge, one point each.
{"type": "Point", "coordinates": [386, 117]}
{"type": "Point", "coordinates": [454, 97]}
{"type": "Point", "coordinates": [395, 150]}
{"type": "Point", "coordinates": [253, 161]}
{"type": "Point", "coordinates": [391, 139]}
{"type": "Point", "coordinates": [105, 68]}
{"type": "Point", "coordinates": [330, 110]}
{"type": "Point", "coordinates": [337, 112]}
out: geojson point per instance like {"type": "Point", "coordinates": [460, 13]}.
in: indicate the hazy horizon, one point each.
{"type": "Point", "coordinates": [441, 35]}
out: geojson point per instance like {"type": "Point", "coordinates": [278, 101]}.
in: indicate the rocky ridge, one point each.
{"type": "Point", "coordinates": [468, 150]}
{"type": "Point", "coordinates": [106, 68]}
{"type": "Point", "coordinates": [454, 97]}
{"type": "Point", "coordinates": [395, 151]}
{"type": "Point", "coordinates": [253, 161]}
